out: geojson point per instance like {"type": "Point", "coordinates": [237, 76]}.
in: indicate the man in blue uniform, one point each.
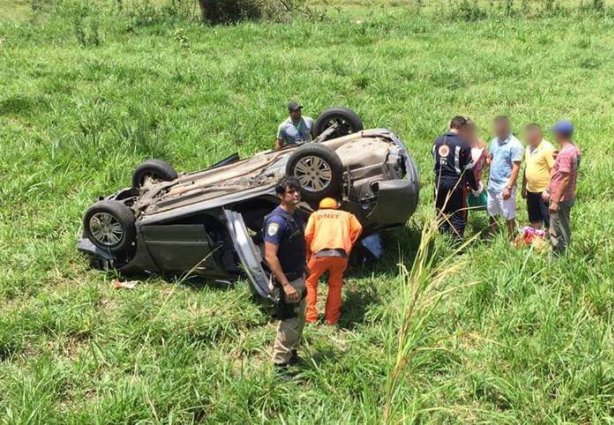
{"type": "Point", "coordinates": [284, 252]}
{"type": "Point", "coordinates": [453, 173]}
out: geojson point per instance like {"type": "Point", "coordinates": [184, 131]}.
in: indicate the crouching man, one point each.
{"type": "Point", "coordinates": [330, 235]}
{"type": "Point", "coordinates": [284, 251]}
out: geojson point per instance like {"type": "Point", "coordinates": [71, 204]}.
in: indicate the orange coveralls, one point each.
{"type": "Point", "coordinates": [330, 235]}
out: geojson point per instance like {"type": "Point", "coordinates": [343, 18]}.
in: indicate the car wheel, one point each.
{"type": "Point", "coordinates": [110, 225]}
{"type": "Point", "coordinates": [345, 120]}
{"type": "Point", "coordinates": [153, 170]}
{"type": "Point", "coordinates": [318, 169]}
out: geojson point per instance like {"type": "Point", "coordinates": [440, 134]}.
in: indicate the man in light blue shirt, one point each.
{"type": "Point", "coordinates": [506, 152]}
{"type": "Point", "coordinates": [296, 130]}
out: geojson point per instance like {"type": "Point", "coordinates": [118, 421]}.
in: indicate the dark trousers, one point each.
{"type": "Point", "coordinates": [537, 208]}
{"type": "Point", "coordinates": [560, 227]}
{"type": "Point", "coordinates": [451, 207]}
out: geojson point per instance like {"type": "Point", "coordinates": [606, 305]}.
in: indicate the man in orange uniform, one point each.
{"type": "Point", "coordinates": [330, 235]}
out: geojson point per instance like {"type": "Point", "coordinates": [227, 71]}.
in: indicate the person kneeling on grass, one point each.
{"type": "Point", "coordinates": [539, 160]}
{"type": "Point", "coordinates": [562, 190]}
{"type": "Point", "coordinates": [329, 235]}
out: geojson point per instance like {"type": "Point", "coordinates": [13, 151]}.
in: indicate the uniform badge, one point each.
{"type": "Point", "coordinates": [272, 229]}
{"type": "Point", "coordinates": [443, 151]}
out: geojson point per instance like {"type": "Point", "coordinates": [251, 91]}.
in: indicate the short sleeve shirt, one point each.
{"type": "Point", "coordinates": [567, 162]}
{"type": "Point", "coordinates": [538, 163]}
{"type": "Point", "coordinates": [291, 133]}
{"type": "Point", "coordinates": [287, 232]}
{"type": "Point", "coordinates": [275, 229]}
{"type": "Point", "coordinates": [503, 153]}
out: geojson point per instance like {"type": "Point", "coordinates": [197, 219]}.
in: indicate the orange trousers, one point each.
{"type": "Point", "coordinates": [335, 266]}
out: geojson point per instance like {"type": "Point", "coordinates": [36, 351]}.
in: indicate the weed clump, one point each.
{"type": "Point", "coordinates": [232, 11]}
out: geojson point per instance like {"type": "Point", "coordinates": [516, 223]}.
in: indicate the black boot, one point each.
{"type": "Point", "coordinates": [295, 359]}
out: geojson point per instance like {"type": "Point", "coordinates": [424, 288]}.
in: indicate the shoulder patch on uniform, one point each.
{"type": "Point", "coordinates": [443, 150]}
{"type": "Point", "coordinates": [272, 229]}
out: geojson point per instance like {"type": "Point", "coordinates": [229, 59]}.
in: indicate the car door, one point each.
{"type": "Point", "coordinates": [181, 247]}
{"type": "Point", "coordinates": [250, 257]}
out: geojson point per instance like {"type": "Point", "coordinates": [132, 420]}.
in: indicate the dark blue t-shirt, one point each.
{"type": "Point", "coordinates": [287, 231]}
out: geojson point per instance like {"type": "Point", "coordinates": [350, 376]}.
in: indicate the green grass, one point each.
{"type": "Point", "coordinates": [88, 91]}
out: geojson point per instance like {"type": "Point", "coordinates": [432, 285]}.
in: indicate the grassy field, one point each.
{"type": "Point", "coordinates": [497, 335]}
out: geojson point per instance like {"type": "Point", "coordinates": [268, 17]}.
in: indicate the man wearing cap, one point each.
{"type": "Point", "coordinates": [284, 253]}
{"type": "Point", "coordinates": [330, 235]}
{"type": "Point", "coordinates": [561, 192]}
{"type": "Point", "coordinates": [296, 130]}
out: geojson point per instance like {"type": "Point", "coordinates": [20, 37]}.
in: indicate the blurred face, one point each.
{"type": "Point", "coordinates": [501, 129]}
{"type": "Point", "coordinates": [534, 136]}
{"type": "Point", "coordinates": [291, 197]}
{"type": "Point", "coordinates": [469, 133]}
{"type": "Point", "coordinates": [295, 115]}
{"type": "Point", "coordinates": [560, 137]}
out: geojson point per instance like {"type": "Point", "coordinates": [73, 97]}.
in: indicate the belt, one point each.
{"type": "Point", "coordinates": [330, 252]}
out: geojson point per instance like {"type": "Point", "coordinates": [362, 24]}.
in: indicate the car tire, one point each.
{"type": "Point", "coordinates": [155, 169]}
{"type": "Point", "coordinates": [345, 118]}
{"type": "Point", "coordinates": [110, 225]}
{"type": "Point", "coordinates": [318, 169]}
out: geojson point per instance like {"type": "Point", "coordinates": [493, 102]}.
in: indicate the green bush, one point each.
{"type": "Point", "coordinates": [232, 11]}
{"type": "Point", "coordinates": [229, 11]}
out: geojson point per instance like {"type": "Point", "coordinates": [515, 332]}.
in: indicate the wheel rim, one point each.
{"type": "Point", "coordinates": [106, 229]}
{"type": "Point", "coordinates": [313, 173]}
{"type": "Point", "coordinates": [342, 126]}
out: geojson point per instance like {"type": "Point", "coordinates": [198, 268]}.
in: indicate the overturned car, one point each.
{"type": "Point", "coordinates": [209, 222]}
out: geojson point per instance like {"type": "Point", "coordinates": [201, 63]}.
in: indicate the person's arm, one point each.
{"type": "Point", "coordinates": [517, 152]}
{"type": "Point", "coordinates": [564, 169]}
{"type": "Point", "coordinates": [355, 229]}
{"type": "Point", "coordinates": [549, 156]}
{"type": "Point", "coordinates": [507, 191]}
{"type": "Point", "coordinates": [557, 196]}
{"type": "Point", "coordinates": [523, 193]}
{"type": "Point", "coordinates": [279, 142]}
{"type": "Point", "coordinates": [489, 155]}
{"type": "Point", "coordinates": [270, 256]}
{"type": "Point", "coordinates": [466, 162]}
{"type": "Point", "coordinates": [309, 234]}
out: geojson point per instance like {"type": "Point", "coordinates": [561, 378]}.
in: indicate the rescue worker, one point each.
{"type": "Point", "coordinates": [284, 253]}
{"type": "Point", "coordinates": [330, 235]}
{"type": "Point", "coordinates": [453, 173]}
{"type": "Point", "coordinates": [295, 130]}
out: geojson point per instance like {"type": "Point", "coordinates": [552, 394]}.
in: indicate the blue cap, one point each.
{"type": "Point", "coordinates": [563, 127]}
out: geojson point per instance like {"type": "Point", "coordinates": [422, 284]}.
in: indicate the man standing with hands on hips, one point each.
{"type": "Point", "coordinates": [284, 252]}
{"type": "Point", "coordinates": [506, 152]}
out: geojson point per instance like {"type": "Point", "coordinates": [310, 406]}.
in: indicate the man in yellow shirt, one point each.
{"type": "Point", "coordinates": [539, 160]}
